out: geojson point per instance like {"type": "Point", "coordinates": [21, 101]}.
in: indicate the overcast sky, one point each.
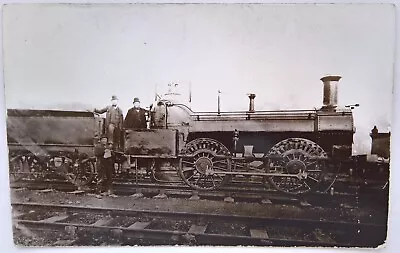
{"type": "Point", "coordinates": [80, 55]}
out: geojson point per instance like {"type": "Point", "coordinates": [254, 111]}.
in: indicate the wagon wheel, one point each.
{"type": "Point", "coordinates": [297, 157]}
{"type": "Point", "coordinates": [18, 165]}
{"type": "Point", "coordinates": [204, 170]}
{"type": "Point", "coordinates": [37, 167]}
{"type": "Point", "coordinates": [80, 173]}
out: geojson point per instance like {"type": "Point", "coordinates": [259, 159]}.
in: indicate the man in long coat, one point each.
{"type": "Point", "coordinates": [136, 116]}
{"type": "Point", "coordinates": [113, 122]}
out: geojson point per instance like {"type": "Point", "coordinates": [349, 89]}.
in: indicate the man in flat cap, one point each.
{"type": "Point", "coordinates": [113, 122]}
{"type": "Point", "coordinates": [136, 116]}
{"type": "Point", "coordinates": [105, 166]}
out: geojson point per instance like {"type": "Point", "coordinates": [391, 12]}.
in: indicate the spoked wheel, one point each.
{"type": "Point", "coordinates": [38, 167]}
{"type": "Point", "coordinates": [79, 173]}
{"type": "Point", "coordinates": [204, 170]}
{"type": "Point", "coordinates": [299, 166]}
{"type": "Point", "coordinates": [18, 165]}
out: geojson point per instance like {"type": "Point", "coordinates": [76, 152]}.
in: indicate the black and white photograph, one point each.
{"type": "Point", "coordinates": [263, 125]}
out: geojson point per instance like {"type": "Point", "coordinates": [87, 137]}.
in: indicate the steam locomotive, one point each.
{"type": "Point", "coordinates": [292, 150]}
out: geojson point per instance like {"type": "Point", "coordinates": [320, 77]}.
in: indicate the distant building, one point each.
{"type": "Point", "coordinates": [380, 143]}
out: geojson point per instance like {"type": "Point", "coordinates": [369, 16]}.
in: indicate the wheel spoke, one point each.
{"type": "Point", "coordinates": [198, 180]}
{"type": "Point", "coordinates": [204, 164]}
{"type": "Point", "coordinates": [296, 156]}
{"type": "Point", "coordinates": [188, 169]}
{"type": "Point", "coordinates": [212, 178]}
{"type": "Point", "coordinates": [194, 173]}
{"type": "Point", "coordinates": [219, 175]}
{"type": "Point", "coordinates": [310, 177]}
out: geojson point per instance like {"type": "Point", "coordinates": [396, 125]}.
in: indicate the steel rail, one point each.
{"type": "Point", "coordinates": [248, 192]}
{"type": "Point", "coordinates": [176, 236]}
{"type": "Point", "coordinates": [303, 224]}
{"type": "Point", "coordinates": [183, 188]}
{"type": "Point", "coordinates": [308, 223]}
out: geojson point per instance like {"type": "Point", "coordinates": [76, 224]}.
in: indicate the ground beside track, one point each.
{"type": "Point", "coordinates": [352, 212]}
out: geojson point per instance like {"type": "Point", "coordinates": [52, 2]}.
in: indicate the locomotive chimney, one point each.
{"type": "Point", "coordinates": [251, 105]}
{"type": "Point", "coordinates": [330, 91]}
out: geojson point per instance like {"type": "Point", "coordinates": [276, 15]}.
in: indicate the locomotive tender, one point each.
{"type": "Point", "coordinates": [46, 141]}
{"type": "Point", "coordinates": [291, 149]}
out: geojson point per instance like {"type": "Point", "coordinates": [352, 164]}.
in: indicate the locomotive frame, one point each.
{"type": "Point", "coordinates": [207, 164]}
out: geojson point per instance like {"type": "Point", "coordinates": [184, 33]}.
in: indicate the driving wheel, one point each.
{"type": "Point", "coordinates": [203, 169]}
{"type": "Point", "coordinates": [298, 163]}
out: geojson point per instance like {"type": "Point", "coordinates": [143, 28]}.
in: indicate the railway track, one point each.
{"type": "Point", "coordinates": [239, 193]}
{"type": "Point", "coordinates": [81, 224]}
{"type": "Point", "coordinates": [342, 183]}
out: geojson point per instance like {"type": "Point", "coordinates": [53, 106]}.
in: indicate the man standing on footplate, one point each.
{"type": "Point", "coordinates": [136, 116]}
{"type": "Point", "coordinates": [113, 123]}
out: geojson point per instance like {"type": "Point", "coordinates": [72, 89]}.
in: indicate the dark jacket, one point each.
{"type": "Point", "coordinates": [99, 150]}
{"type": "Point", "coordinates": [135, 118]}
{"type": "Point", "coordinates": [114, 116]}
